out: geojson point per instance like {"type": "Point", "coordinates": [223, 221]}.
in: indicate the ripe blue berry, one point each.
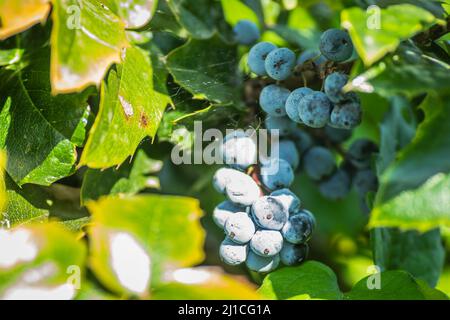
{"type": "Point", "coordinates": [257, 57]}
{"type": "Point", "coordinates": [293, 254]}
{"type": "Point", "coordinates": [246, 32]}
{"type": "Point", "coordinates": [266, 243]}
{"type": "Point", "coordinates": [239, 150]}
{"type": "Point", "coordinates": [269, 213]}
{"type": "Point", "coordinates": [337, 135]}
{"type": "Point", "coordinates": [318, 163]}
{"type": "Point", "coordinates": [287, 151]}
{"type": "Point", "coordinates": [333, 86]}
{"type": "Point", "coordinates": [315, 109]}
{"type": "Point", "coordinates": [336, 45]}
{"type": "Point", "coordinates": [232, 253]}
{"type": "Point", "coordinates": [365, 180]}
{"type": "Point", "coordinates": [302, 140]}
{"type": "Point", "coordinates": [277, 174]}
{"type": "Point", "coordinates": [273, 99]}
{"type": "Point", "coordinates": [290, 201]}
{"type": "Point", "coordinates": [348, 114]}
{"type": "Point", "coordinates": [243, 191]}
{"type": "Point", "coordinates": [280, 63]}
{"type": "Point", "coordinates": [224, 176]}
{"type": "Point", "coordinates": [223, 211]}
{"type": "Point", "coordinates": [312, 56]}
{"type": "Point", "coordinates": [293, 103]}
{"type": "Point", "coordinates": [283, 125]}
{"type": "Point", "coordinates": [360, 153]}
{"type": "Point", "coordinates": [337, 186]}
{"type": "Point", "coordinates": [240, 228]}
{"type": "Point", "coordinates": [298, 228]}
{"type": "Point", "coordinates": [262, 264]}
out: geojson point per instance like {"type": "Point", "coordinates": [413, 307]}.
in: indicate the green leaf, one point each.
{"type": "Point", "coordinates": [129, 179]}
{"type": "Point", "coordinates": [87, 38]}
{"type": "Point", "coordinates": [311, 280]}
{"type": "Point", "coordinates": [373, 43]}
{"type": "Point", "coordinates": [32, 204]}
{"type": "Point", "coordinates": [38, 130]}
{"type": "Point", "coordinates": [197, 17]}
{"type": "Point", "coordinates": [405, 198]}
{"type": "Point", "coordinates": [163, 231]}
{"type": "Point", "coordinates": [203, 283]}
{"type": "Point", "coordinates": [18, 15]}
{"type": "Point", "coordinates": [135, 13]}
{"type": "Point", "coordinates": [8, 57]}
{"type": "Point", "coordinates": [207, 69]}
{"type": "Point", "coordinates": [2, 180]}
{"type": "Point", "coordinates": [395, 285]}
{"type": "Point", "coordinates": [130, 110]}
{"type": "Point", "coordinates": [42, 262]}
{"type": "Point", "coordinates": [422, 255]}
{"type": "Point", "coordinates": [236, 10]}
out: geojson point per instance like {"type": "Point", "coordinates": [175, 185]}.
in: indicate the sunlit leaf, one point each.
{"type": "Point", "coordinates": [135, 13]}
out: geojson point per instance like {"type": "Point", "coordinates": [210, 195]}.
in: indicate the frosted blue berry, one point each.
{"type": "Point", "coordinates": [298, 228]}
{"type": "Point", "coordinates": [347, 115]}
{"type": "Point", "coordinates": [293, 254]}
{"type": "Point", "coordinates": [318, 163]}
{"type": "Point", "coordinates": [333, 86]}
{"type": "Point", "coordinates": [232, 253]}
{"type": "Point", "coordinates": [337, 135]}
{"type": "Point", "coordinates": [257, 57]}
{"type": "Point", "coordinates": [312, 56]}
{"type": "Point", "coordinates": [269, 213]}
{"type": "Point", "coordinates": [302, 140]}
{"type": "Point", "coordinates": [277, 174]}
{"type": "Point", "coordinates": [293, 103]}
{"type": "Point", "coordinates": [290, 201]}
{"type": "Point", "coordinates": [246, 32]}
{"type": "Point", "coordinates": [224, 176]}
{"type": "Point", "coordinates": [336, 45]}
{"type": "Point", "coordinates": [266, 243]}
{"type": "Point", "coordinates": [281, 125]}
{"type": "Point", "coordinates": [243, 191]}
{"type": "Point", "coordinates": [239, 150]}
{"type": "Point", "coordinates": [240, 228]}
{"type": "Point", "coordinates": [273, 99]}
{"type": "Point", "coordinates": [223, 211]}
{"type": "Point", "coordinates": [314, 109]}
{"type": "Point", "coordinates": [360, 153]}
{"type": "Point", "coordinates": [262, 264]}
{"type": "Point", "coordinates": [280, 63]}
{"type": "Point", "coordinates": [337, 186]}
{"type": "Point", "coordinates": [365, 181]}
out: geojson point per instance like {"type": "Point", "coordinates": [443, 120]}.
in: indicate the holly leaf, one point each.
{"type": "Point", "coordinates": [150, 230]}
{"type": "Point", "coordinates": [207, 69]}
{"type": "Point", "coordinates": [87, 38]}
{"type": "Point", "coordinates": [422, 255]}
{"type": "Point", "coordinates": [39, 131]}
{"type": "Point", "coordinates": [236, 10]}
{"type": "Point", "coordinates": [203, 283]}
{"type": "Point", "coordinates": [311, 280]}
{"type": "Point", "coordinates": [394, 285]}
{"type": "Point", "coordinates": [42, 262]}
{"type": "Point", "coordinates": [129, 105]}
{"type": "Point", "coordinates": [129, 179]}
{"type": "Point", "coordinates": [373, 41]}
{"type": "Point", "coordinates": [2, 180]}
{"type": "Point", "coordinates": [135, 13]}
{"type": "Point", "coordinates": [18, 15]}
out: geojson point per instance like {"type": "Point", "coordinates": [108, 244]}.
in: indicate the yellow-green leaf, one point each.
{"type": "Point", "coordinates": [236, 10]}
{"type": "Point", "coordinates": [87, 38]}
{"type": "Point", "coordinates": [19, 15]}
{"type": "Point", "coordinates": [158, 233]}
{"type": "Point", "coordinates": [135, 13]}
{"type": "Point", "coordinates": [2, 180]}
{"type": "Point", "coordinates": [373, 41]}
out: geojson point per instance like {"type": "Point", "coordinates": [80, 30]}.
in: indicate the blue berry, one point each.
{"type": "Point", "coordinates": [302, 140]}
{"type": "Point", "coordinates": [290, 201]}
{"type": "Point", "coordinates": [346, 115]}
{"type": "Point", "coordinates": [337, 186]}
{"type": "Point", "coordinates": [312, 56]}
{"type": "Point", "coordinates": [336, 45]}
{"type": "Point", "coordinates": [318, 163]}
{"type": "Point", "coordinates": [240, 228]}
{"type": "Point", "coordinates": [293, 103]}
{"type": "Point", "coordinates": [365, 181]}
{"type": "Point", "coordinates": [360, 153]}
{"type": "Point", "coordinates": [243, 191]}
{"type": "Point", "coordinates": [232, 253]}
{"type": "Point", "coordinates": [246, 32]}
{"type": "Point", "coordinates": [224, 176]}
{"type": "Point", "coordinates": [333, 86]}
{"type": "Point", "coordinates": [223, 211]}
{"type": "Point", "coordinates": [273, 99]}
{"type": "Point", "coordinates": [257, 57]}
{"type": "Point", "coordinates": [287, 151]}
{"type": "Point", "coordinates": [277, 174]}
{"type": "Point", "coordinates": [314, 109]}
{"type": "Point", "coordinates": [293, 254]}
{"type": "Point", "coordinates": [266, 243]}
{"type": "Point", "coordinates": [281, 125]}
{"type": "Point", "coordinates": [269, 213]}
{"type": "Point", "coordinates": [239, 150]}
{"type": "Point", "coordinates": [262, 264]}
{"type": "Point", "coordinates": [298, 228]}
{"type": "Point", "coordinates": [337, 135]}
{"type": "Point", "coordinates": [280, 63]}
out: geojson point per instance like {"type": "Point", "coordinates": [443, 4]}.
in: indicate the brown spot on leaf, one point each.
{"type": "Point", "coordinates": [143, 120]}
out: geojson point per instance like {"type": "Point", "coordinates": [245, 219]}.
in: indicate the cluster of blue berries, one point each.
{"type": "Point", "coordinates": [263, 220]}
